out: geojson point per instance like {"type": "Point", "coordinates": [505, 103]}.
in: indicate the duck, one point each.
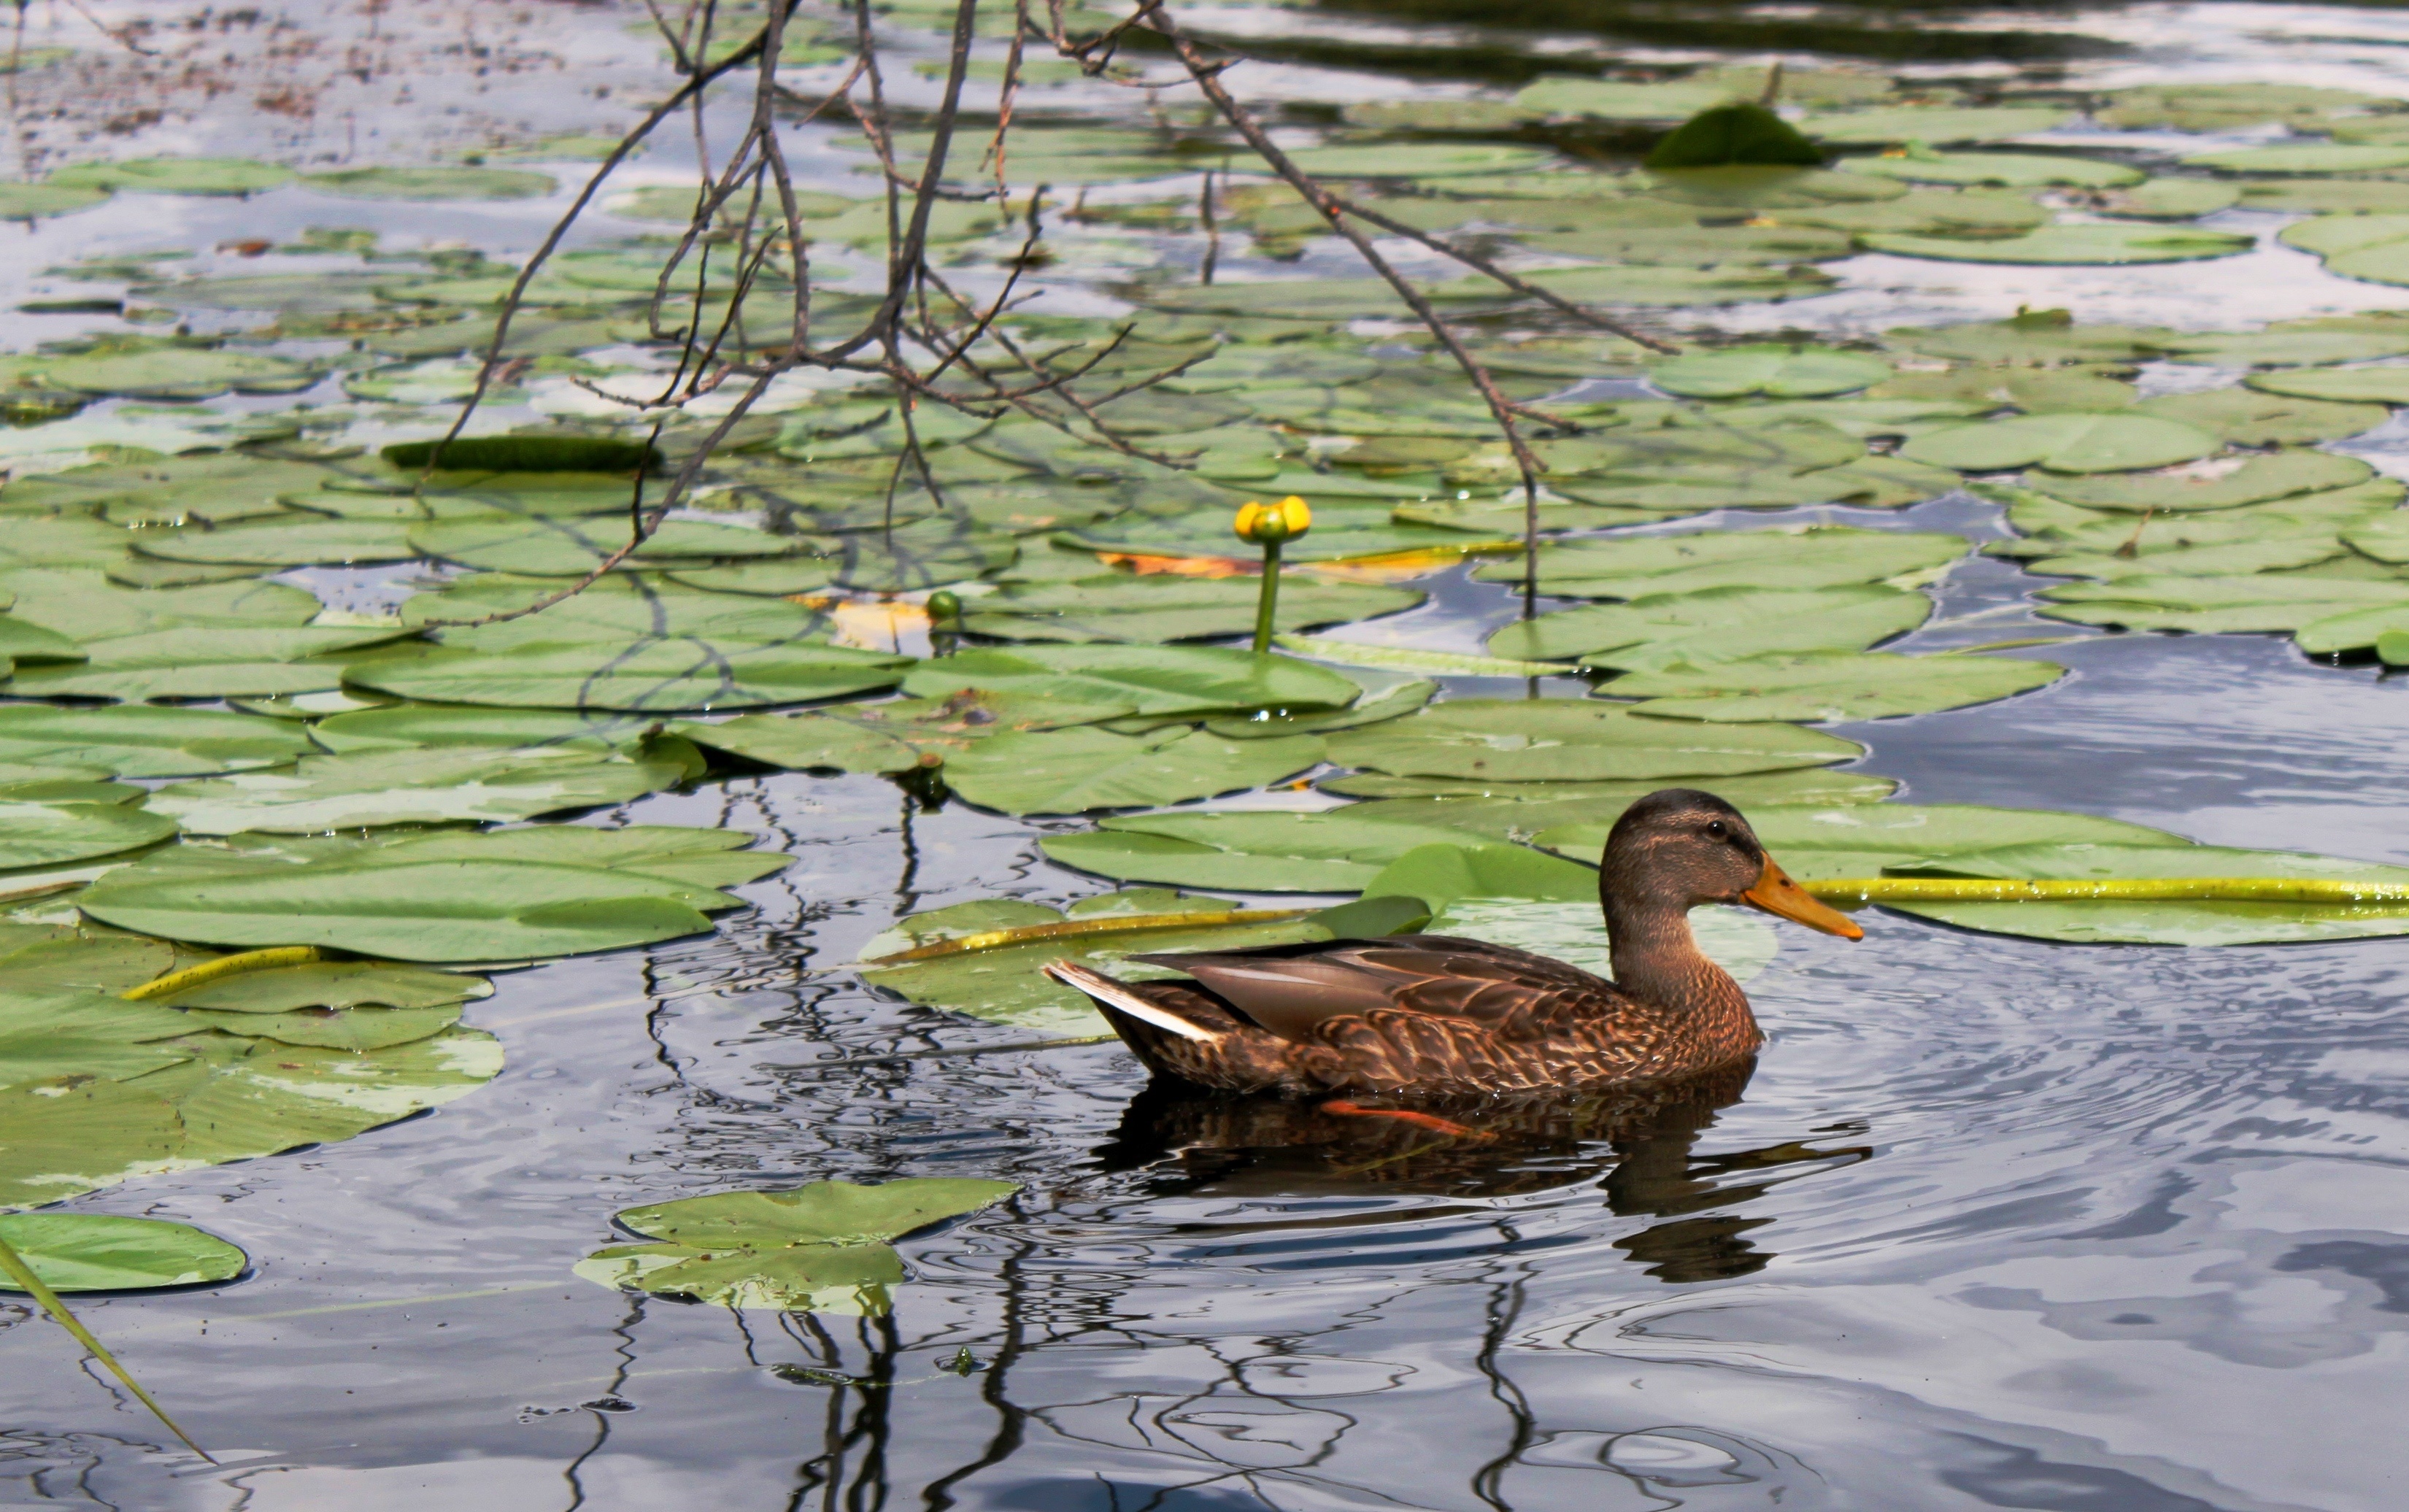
{"type": "Point", "coordinates": [1438, 1016]}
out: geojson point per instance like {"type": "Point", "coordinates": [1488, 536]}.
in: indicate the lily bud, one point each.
{"type": "Point", "coordinates": [944, 609]}
{"type": "Point", "coordinates": [1268, 524]}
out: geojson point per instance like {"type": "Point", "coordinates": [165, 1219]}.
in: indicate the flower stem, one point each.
{"type": "Point", "coordinates": [1269, 600]}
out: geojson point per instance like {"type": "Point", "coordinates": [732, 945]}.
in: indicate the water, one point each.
{"type": "Point", "coordinates": [1993, 1224]}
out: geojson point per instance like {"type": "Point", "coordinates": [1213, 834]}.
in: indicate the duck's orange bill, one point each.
{"type": "Point", "coordinates": [1777, 894]}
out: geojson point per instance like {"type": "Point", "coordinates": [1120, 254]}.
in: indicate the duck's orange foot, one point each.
{"type": "Point", "coordinates": [1419, 1121]}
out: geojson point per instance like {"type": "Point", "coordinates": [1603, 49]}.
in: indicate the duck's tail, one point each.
{"type": "Point", "coordinates": [1144, 1024]}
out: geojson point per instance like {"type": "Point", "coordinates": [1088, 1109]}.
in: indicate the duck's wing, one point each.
{"type": "Point", "coordinates": [1292, 990]}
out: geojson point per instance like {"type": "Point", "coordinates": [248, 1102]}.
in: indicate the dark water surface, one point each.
{"type": "Point", "coordinates": [1995, 1223]}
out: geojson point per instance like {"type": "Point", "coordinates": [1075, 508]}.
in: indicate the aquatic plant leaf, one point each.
{"type": "Point", "coordinates": [2111, 443]}
{"type": "Point", "coordinates": [73, 961]}
{"type": "Point", "coordinates": [2168, 922]}
{"type": "Point", "coordinates": [432, 183]}
{"type": "Point", "coordinates": [803, 1248]}
{"type": "Point", "coordinates": [410, 909]}
{"type": "Point", "coordinates": [48, 834]}
{"type": "Point", "coordinates": [1633, 567]}
{"type": "Point", "coordinates": [423, 786]}
{"type": "Point", "coordinates": [104, 1252]}
{"type": "Point", "coordinates": [2247, 417]}
{"type": "Point", "coordinates": [1387, 695]}
{"type": "Point", "coordinates": [1082, 770]}
{"type": "Point", "coordinates": [2206, 605]}
{"type": "Point", "coordinates": [1154, 680]}
{"type": "Point", "coordinates": [1567, 741]}
{"type": "Point", "coordinates": [1419, 160]}
{"type": "Point", "coordinates": [84, 605]}
{"type": "Point", "coordinates": [2294, 344]}
{"type": "Point", "coordinates": [699, 859]}
{"type": "Point", "coordinates": [1514, 811]}
{"type": "Point", "coordinates": [1121, 606]}
{"type": "Point", "coordinates": [205, 662]}
{"type": "Point", "coordinates": [1826, 686]}
{"type": "Point", "coordinates": [2325, 197]}
{"type": "Point", "coordinates": [1717, 625]}
{"type": "Point", "coordinates": [802, 743]}
{"type": "Point", "coordinates": [1440, 874]}
{"type": "Point", "coordinates": [2382, 539]}
{"type": "Point", "coordinates": [38, 201]}
{"type": "Point", "coordinates": [135, 742]}
{"type": "Point", "coordinates": [385, 727]}
{"type": "Point", "coordinates": [2261, 479]}
{"type": "Point", "coordinates": [177, 372]}
{"type": "Point", "coordinates": [1342, 531]}
{"type": "Point", "coordinates": [557, 547]}
{"type": "Point", "coordinates": [1743, 944]}
{"type": "Point", "coordinates": [337, 984]}
{"type": "Point", "coordinates": [1329, 852]}
{"type": "Point", "coordinates": [1601, 99]}
{"type": "Point", "coordinates": [2171, 199]}
{"type": "Point", "coordinates": [1936, 212]}
{"type": "Point", "coordinates": [1814, 841]}
{"type": "Point", "coordinates": [2014, 170]}
{"type": "Point", "coordinates": [2092, 242]}
{"type": "Point", "coordinates": [675, 674]}
{"type": "Point", "coordinates": [51, 1056]}
{"type": "Point", "coordinates": [1936, 125]}
{"type": "Point", "coordinates": [360, 1029]}
{"type": "Point", "coordinates": [2349, 385]}
{"type": "Point", "coordinates": [1763, 187]}
{"type": "Point", "coordinates": [2186, 106]}
{"type": "Point", "coordinates": [177, 175]}
{"type": "Point", "coordinates": [1732, 134]}
{"type": "Point", "coordinates": [1414, 660]}
{"type": "Point", "coordinates": [1773, 369]}
{"type": "Point", "coordinates": [2033, 339]}
{"type": "Point", "coordinates": [57, 1142]}
{"type": "Point", "coordinates": [2307, 158]}
{"type": "Point", "coordinates": [257, 1097]}
{"type": "Point", "coordinates": [2035, 390]}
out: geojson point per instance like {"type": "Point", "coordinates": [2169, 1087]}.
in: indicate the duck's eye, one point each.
{"type": "Point", "coordinates": [1718, 828]}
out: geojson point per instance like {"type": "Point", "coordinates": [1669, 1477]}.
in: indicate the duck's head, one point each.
{"type": "Point", "coordinates": [1678, 847]}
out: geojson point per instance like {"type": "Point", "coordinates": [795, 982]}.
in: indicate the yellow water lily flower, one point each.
{"type": "Point", "coordinates": [1267, 524]}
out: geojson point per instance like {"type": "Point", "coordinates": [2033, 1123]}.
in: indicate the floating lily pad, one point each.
{"type": "Point", "coordinates": [432, 183]}
{"type": "Point", "coordinates": [2325, 197]}
{"type": "Point", "coordinates": [2277, 475]}
{"type": "Point", "coordinates": [1818, 841]}
{"type": "Point", "coordinates": [2370, 247]}
{"type": "Point", "coordinates": [2310, 158]}
{"type": "Point", "coordinates": [47, 834]}
{"type": "Point", "coordinates": [1160, 609]}
{"type": "Point", "coordinates": [2033, 389]}
{"type": "Point", "coordinates": [204, 662]}
{"type": "Point", "coordinates": [1419, 160]}
{"type": "Point", "coordinates": [1662, 630]}
{"type": "Point", "coordinates": [2349, 385]}
{"type": "Point", "coordinates": [443, 785]}
{"type": "Point", "coordinates": [1770, 368]}
{"type": "Point", "coordinates": [2211, 605]}
{"type": "Point", "coordinates": [2111, 442]}
{"type": "Point", "coordinates": [1254, 852]}
{"type": "Point", "coordinates": [1567, 741]}
{"type": "Point", "coordinates": [2186, 106]}
{"type": "Point", "coordinates": [673, 674]}
{"type": "Point", "coordinates": [384, 725]}
{"type": "Point", "coordinates": [2171, 199]}
{"type": "Point", "coordinates": [355, 1030]}
{"type": "Point", "coordinates": [297, 540]}
{"type": "Point", "coordinates": [1077, 770]}
{"type": "Point", "coordinates": [2296, 345]}
{"type": "Point", "coordinates": [1602, 100]}
{"type": "Point", "coordinates": [1631, 567]}
{"type": "Point", "coordinates": [816, 1248]}
{"type": "Point", "coordinates": [2016, 170]}
{"type": "Point", "coordinates": [2101, 242]}
{"type": "Point", "coordinates": [104, 1252]}
{"type": "Point", "coordinates": [179, 373]}
{"type": "Point", "coordinates": [2036, 339]}
{"type": "Point", "coordinates": [34, 202]}
{"type": "Point", "coordinates": [1154, 680]}
{"type": "Point", "coordinates": [1936, 125]}
{"type": "Point", "coordinates": [557, 547]}
{"type": "Point", "coordinates": [1828, 685]}
{"type": "Point", "coordinates": [336, 985]}
{"type": "Point", "coordinates": [2247, 417]}
{"type": "Point", "coordinates": [135, 742]}
{"type": "Point", "coordinates": [177, 176]}
{"type": "Point", "coordinates": [1939, 213]}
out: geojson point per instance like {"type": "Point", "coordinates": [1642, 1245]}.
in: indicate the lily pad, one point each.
{"type": "Point", "coordinates": [2297, 345]}
{"type": "Point", "coordinates": [2099, 242]}
{"type": "Point", "coordinates": [2349, 386]}
{"type": "Point", "coordinates": [48, 834]}
{"type": "Point", "coordinates": [1254, 852]}
{"type": "Point", "coordinates": [443, 785]}
{"type": "Point", "coordinates": [1631, 566]}
{"type": "Point", "coordinates": [1828, 685]}
{"type": "Point", "coordinates": [134, 741]}
{"type": "Point", "coordinates": [2248, 417]}
{"type": "Point", "coordinates": [1818, 841]}
{"type": "Point", "coordinates": [2033, 389]}
{"type": "Point", "coordinates": [2171, 199]}
{"type": "Point", "coordinates": [104, 1252]}
{"type": "Point", "coordinates": [385, 726]}
{"type": "Point", "coordinates": [355, 1030]}
{"type": "Point", "coordinates": [177, 176]}
{"type": "Point", "coordinates": [1160, 609]}
{"type": "Point", "coordinates": [1567, 741]}
{"type": "Point", "coordinates": [2014, 170]}
{"type": "Point", "coordinates": [2259, 601]}
{"type": "Point", "coordinates": [337, 985]}
{"type": "Point", "coordinates": [1661, 630]}
{"type": "Point", "coordinates": [819, 1247]}
{"type": "Point", "coordinates": [2307, 158]}
{"type": "Point", "coordinates": [295, 540]}
{"type": "Point", "coordinates": [553, 546]}
{"type": "Point", "coordinates": [2276, 475]}
{"type": "Point", "coordinates": [432, 183]}
{"type": "Point", "coordinates": [1770, 368]}
{"type": "Point", "coordinates": [197, 662]}
{"type": "Point", "coordinates": [1082, 770]}
{"type": "Point", "coordinates": [2075, 443]}
{"type": "Point", "coordinates": [1154, 680]}
{"type": "Point", "coordinates": [1937, 126]}
{"type": "Point", "coordinates": [672, 674]}
{"type": "Point", "coordinates": [2186, 105]}
{"type": "Point", "coordinates": [2033, 338]}
{"type": "Point", "coordinates": [179, 373]}
{"type": "Point", "coordinates": [35, 201]}
{"type": "Point", "coordinates": [1603, 99]}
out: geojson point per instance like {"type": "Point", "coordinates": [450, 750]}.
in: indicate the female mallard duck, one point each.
{"type": "Point", "coordinates": [1439, 1016]}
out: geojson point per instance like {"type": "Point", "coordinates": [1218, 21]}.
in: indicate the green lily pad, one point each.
{"type": "Point", "coordinates": [2186, 105]}
{"type": "Point", "coordinates": [1828, 685]}
{"type": "Point", "coordinates": [1154, 680]}
{"type": "Point", "coordinates": [1661, 630]}
{"type": "Point", "coordinates": [1936, 125]}
{"type": "Point", "coordinates": [2382, 539]}
{"type": "Point", "coordinates": [337, 984]}
{"type": "Point", "coordinates": [2166, 923]}
{"type": "Point", "coordinates": [1160, 609]}
{"type": "Point", "coordinates": [1420, 160]}
{"type": "Point", "coordinates": [1078, 771]}
{"type": "Point", "coordinates": [1815, 843]}
{"type": "Point", "coordinates": [386, 726]}
{"type": "Point", "coordinates": [104, 1252]}
{"type": "Point", "coordinates": [1936, 212]}
{"type": "Point", "coordinates": [1252, 852]}
{"type": "Point", "coordinates": [557, 547]}
{"type": "Point", "coordinates": [2171, 199]}
{"type": "Point", "coordinates": [48, 834]}
{"type": "Point", "coordinates": [2349, 386]}
{"type": "Point", "coordinates": [212, 489]}
{"type": "Point", "coordinates": [1631, 566]}
{"type": "Point", "coordinates": [2308, 158]}
{"type": "Point", "coordinates": [34, 202]}
{"type": "Point", "coordinates": [2014, 170]}
{"type": "Point", "coordinates": [57, 1141]}
{"type": "Point", "coordinates": [2247, 417]}
{"type": "Point", "coordinates": [668, 674]}
{"type": "Point", "coordinates": [819, 1247]}
{"type": "Point", "coordinates": [68, 961]}
{"type": "Point", "coordinates": [296, 541]}
{"type": "Point", "coordinates": [441, 786]}
{"type": "Point", "coordinates": [2276, 475]}
{"type": "Point", "coordinates": [197, 662]}
{"type": "Point", "coordinates": [179, 373]}
{"type": "Point", "coordinates": [2290, 345]}
{"type": "Point", "coordinates": [177, 176]}
{"type": "Point", "coordinates": [2111, 442]}
{"type": "Point", "coordinates": [2099, 242]}
{"type": "Point", "coordinates": [1567, 741]}
{"type": "Point", "coordinates": [1770, 368]}
{"type": "Point", "coordinates": [357, 1029]}
{"type": "Point", "coordinates": [1654, 286]}
{"type": "Point", "coordinates": [1516, 811]}
{"type": "Point", "coordinates": [1602, 100]}
{"type": "Point", "coordinates": [2326, 196]}
{"type": "Point", "coordinates": [432, 183]}
{"type": "Point", "coordinates": [2211, 605]}
{"type": "Point", "coordinates": [2033, 389]}
{"type": "Point", "coordinates": [2033, 339]}
{"type": "Point", "coordinates": [134, 741]}
{"type": "Point", "coordinates": [426, 910]}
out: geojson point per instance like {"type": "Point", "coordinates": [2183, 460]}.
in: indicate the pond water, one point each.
{"type": "Point", "coordinates": [1994, 1222]}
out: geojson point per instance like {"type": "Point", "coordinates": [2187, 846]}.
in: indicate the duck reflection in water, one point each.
{"type": "Point", "coordinates": [1637, 1144]}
